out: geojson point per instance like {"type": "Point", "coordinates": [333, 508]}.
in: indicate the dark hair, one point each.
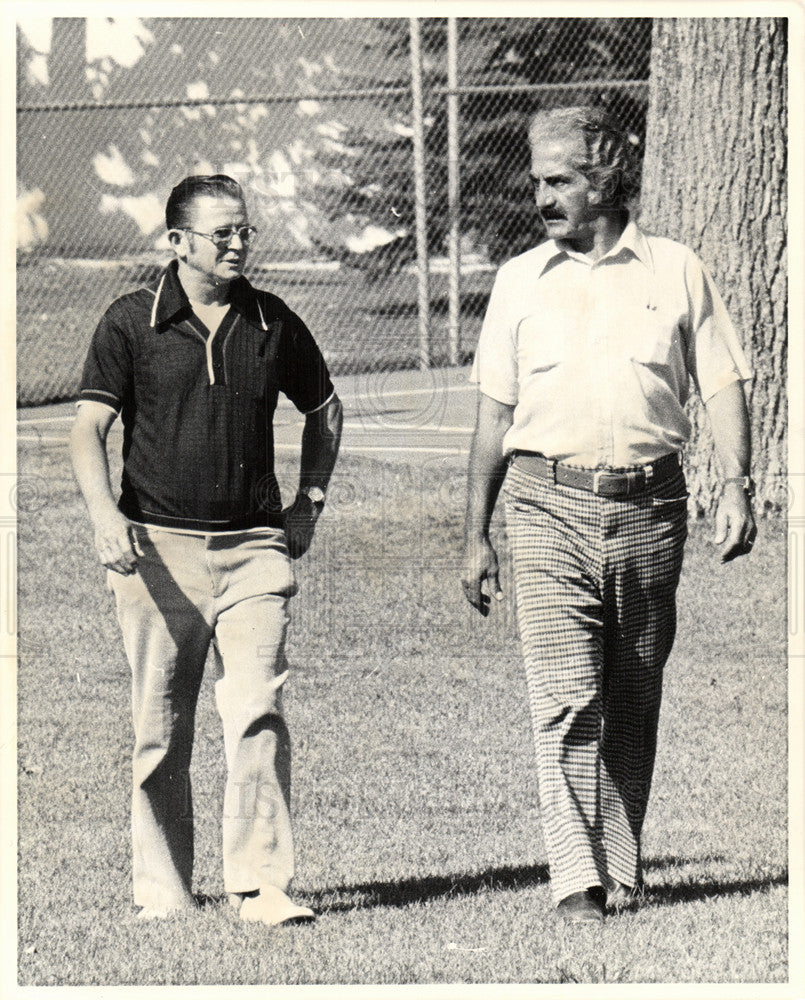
{"type": "Point", "coordinates": [197, 186]}
{"type": "Point", "coordinates": [610, 164]}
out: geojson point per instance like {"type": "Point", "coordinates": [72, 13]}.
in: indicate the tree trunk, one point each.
{"type": "Point", "coordinates": [714, 178]}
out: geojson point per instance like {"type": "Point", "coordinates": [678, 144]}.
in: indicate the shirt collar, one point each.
{"type": "Point", "coordinates": [170, 299]}
{"type": "Point", "coordinates": [632, 240]}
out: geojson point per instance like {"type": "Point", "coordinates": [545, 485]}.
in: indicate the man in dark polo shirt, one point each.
{"type": "Point", "coordinates": [198, 548]}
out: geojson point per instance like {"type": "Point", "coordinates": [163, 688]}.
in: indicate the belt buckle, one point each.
{"type": "Point", "coordinates": [625, 483]}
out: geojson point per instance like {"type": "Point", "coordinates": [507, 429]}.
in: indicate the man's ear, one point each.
{"type": "Point", "coordinates": [604, 194]}
{"type": "Point", "coordinates": [177, 240]}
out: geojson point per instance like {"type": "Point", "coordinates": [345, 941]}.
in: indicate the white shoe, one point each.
{"type": "Point", "coordinates": [271, 907]}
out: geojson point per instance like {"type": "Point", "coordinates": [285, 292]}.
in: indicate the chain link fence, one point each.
{"type": "Point", "coordinates": [314, 116]}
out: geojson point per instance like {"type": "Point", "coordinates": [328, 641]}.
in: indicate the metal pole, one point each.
{"type": "Point", "coordinates": [419, 195]}
{"type": "Point", "coordinates": [453, 189]}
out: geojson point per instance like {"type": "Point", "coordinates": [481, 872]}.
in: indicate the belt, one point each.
{"type": "Point", "coordinates": [602, 482]}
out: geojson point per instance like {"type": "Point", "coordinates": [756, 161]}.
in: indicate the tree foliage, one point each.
{"type": "Point", "coordinates": [496, 211]}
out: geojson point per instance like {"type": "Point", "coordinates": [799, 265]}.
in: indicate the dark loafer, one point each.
{"type": "Point", "coordinates": [581, 908]}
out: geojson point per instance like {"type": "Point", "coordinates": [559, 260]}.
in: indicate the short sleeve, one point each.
{"type": "Point", "coordinates": [715, 357]}
{"type": "Point", "coordinates": [494, 369]}
{"type": "Point", "coordinates": [107, 374]}
{"type": "Point", "coordinates": [303, 374]}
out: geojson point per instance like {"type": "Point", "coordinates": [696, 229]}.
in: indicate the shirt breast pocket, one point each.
{"type": "Point", "coordinates": [657, 352]}
{"type": "Point", "coordinates": [540, 345]}
{"type": "Point", "coordinates": [656, 341]}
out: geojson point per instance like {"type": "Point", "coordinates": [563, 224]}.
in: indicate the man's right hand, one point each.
{"type": "Point", "coordinates": [116, 544]}
{"type": "Point", "coordinates": [481, 564]}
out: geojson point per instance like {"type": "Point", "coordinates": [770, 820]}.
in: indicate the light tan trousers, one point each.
{"type": "Point", "coordinates": [190, 591]}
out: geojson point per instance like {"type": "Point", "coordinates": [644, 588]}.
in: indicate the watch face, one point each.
{"type": "Point", "coordinates": [315, 494]}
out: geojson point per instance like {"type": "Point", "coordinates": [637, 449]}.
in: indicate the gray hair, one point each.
{"type": "Point", "coordinates": [610, 164]}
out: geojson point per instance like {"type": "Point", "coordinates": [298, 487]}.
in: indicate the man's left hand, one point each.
{"type": "Point", "coordinates": [735, 523]}
{"type": "Point", "coordinates": [300, 522]}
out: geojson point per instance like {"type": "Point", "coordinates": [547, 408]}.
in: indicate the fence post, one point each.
{"type": "Point", "coordinates": [453, 195]}
{"type": "Point", "coordinates": [419, 194]}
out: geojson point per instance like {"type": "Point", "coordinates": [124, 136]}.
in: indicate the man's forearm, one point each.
{"type": "Point", "coordinates": [485, 477]}
{"type": "Point", "coordinates": [487, 469]}
{"type": "Point", "coordinates": [729, 422]}
{"type": "Point", "coordinates": [113, 538]}
{"type": "Point", "coordinates": [487, 466]}
{"type": "Point", "coordinates": [321, 438]}
{"type": "Point", "coordinates": [91, 469]}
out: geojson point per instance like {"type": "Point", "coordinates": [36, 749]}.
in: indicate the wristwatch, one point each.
{"type": "Point", "coordinates": [747, 482]}
{"type": "Point", "coordinates": [315, 495]}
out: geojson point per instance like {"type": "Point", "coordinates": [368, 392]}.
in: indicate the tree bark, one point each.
{"type": "Point", "coordinates": [714, 178]}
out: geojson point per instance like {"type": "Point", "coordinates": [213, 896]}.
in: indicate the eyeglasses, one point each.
{"type": "Point", "coordinates": [223, 237]}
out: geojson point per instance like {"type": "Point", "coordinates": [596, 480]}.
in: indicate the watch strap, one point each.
{"type": "Point", "coordinates": [746, 482]}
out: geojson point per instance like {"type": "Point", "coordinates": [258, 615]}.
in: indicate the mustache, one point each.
{"type": "Point", "coordinates": [552, 215]}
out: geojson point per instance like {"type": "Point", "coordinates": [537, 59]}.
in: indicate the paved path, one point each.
{"type": "Point", "coordinates": [395, 416]}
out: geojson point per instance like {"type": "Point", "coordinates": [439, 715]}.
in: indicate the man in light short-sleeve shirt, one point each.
{"type": "Point", "coordinates": [584, 362]}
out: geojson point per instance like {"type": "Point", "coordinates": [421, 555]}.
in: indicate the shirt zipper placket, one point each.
{"type": "Point", "coordinates": [207, 341]}
{"type": "Point", "coordinates": [208, 348]}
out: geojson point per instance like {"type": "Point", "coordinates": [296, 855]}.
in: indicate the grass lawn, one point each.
{"type": "Point", "coordinates": [415, 801]}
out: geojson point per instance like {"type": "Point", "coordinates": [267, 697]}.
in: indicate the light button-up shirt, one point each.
{"type": "Point", "coordinates": [597, 356]}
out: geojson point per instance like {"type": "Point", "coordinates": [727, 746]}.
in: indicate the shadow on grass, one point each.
{"type": "Point", "coordinates": [672, 894]}
{"type": "Point", "coordinates": [404, 892]}
{"type": "Point", "coordinates": [510, 878]}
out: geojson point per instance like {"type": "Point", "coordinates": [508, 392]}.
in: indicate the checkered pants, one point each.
{"type": "Point", "coordinates": [595, 581]}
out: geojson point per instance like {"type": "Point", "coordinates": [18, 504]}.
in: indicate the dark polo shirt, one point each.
{"type": "Point", "coordinates": [197, 409]}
